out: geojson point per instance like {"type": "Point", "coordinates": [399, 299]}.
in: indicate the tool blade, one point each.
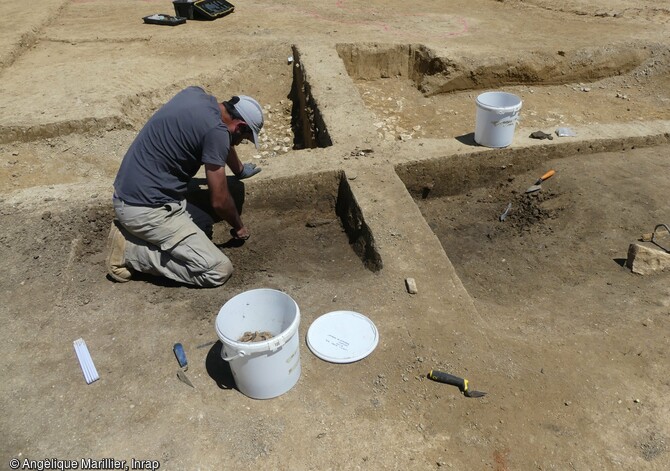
{"type": "Point", "coordinates": [183, 378]}
{"type": "Point", "coordinates": [503, 216]}
{"type": "Point", "coordinates": [474, 394]}
{"type": "Point", "coordinates": [534, 188]}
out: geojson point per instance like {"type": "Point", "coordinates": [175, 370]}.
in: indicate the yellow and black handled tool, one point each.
{"type": "Point", "coordinates": [461, 383]}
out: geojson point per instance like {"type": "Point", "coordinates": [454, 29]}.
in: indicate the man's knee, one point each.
{"type": "Point", "coordinates": [217, 275]}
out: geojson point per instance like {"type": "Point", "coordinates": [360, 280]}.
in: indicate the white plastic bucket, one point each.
{"type": "Point", "coordinates": [497, 117]}
{"type": "Point", "coordinates": [269, 368]}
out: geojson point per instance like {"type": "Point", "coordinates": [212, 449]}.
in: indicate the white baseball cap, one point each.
{"type": "Point", "coordinates": [251, 112]}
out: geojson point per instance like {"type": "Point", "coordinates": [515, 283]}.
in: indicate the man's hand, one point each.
{"type": "Point", "coordinates": [248, 170]}
{"type": "Point", "coordinates": [241, 234]}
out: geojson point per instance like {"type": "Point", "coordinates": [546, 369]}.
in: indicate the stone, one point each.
{"type": "Point", "coordinates": [646, 258]}
{"type": "Point", "coordinates": [411, 286]}
{"type": "Point", "coordinates": [541, 135]}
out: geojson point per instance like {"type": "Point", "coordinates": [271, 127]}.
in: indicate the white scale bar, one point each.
{"type": "Point", "coordinates": [85, 361]}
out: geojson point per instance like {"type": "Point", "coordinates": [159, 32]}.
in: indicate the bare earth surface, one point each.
{"type": "Point", "coordinates": [538, 310]}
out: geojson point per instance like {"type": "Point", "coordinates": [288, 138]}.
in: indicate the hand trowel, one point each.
{"type": "Point", "coordinates": [178, 350]}
{"type": "Point", "coordinates": [538, 184]}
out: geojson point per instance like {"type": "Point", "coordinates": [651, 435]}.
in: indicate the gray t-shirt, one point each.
{"type": "Point", "coordinates": [169, 150]}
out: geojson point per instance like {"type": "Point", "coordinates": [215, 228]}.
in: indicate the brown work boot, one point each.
{"type": "Point", "coordinates": [116, 255]}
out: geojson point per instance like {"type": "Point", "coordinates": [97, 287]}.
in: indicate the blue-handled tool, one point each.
{"type": "Point", "coordinates": [178, 350]}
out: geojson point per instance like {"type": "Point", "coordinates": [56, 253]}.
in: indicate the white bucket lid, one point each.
{"type": "Point", "coordinates": [342, 337]}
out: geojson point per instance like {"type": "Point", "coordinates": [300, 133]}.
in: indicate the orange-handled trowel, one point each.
{"type": "Point", "coordinates": [538, 184]}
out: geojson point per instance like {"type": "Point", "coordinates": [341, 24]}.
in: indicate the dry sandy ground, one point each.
{"type": "Point", "coordinates": [538, 310]}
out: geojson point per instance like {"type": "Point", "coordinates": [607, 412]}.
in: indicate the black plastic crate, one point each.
{"type": "Point", "coordinates": [183, 8]}
{"type": "Point", "coordinates": [211, 9]}
{"type": "Point", "coordinates": [163, 19]}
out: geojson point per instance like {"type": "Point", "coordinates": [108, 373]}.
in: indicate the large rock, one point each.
{"type": "Point", "coordinates": [645, 258]}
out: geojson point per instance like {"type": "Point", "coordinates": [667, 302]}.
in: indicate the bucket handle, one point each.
{"type": "Point", "coordinates": [239, 354]}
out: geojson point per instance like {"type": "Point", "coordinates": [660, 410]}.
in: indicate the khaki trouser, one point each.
{"type": "Point", "coordinates": [172, 241]}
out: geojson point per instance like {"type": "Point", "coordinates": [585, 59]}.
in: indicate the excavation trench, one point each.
{"type": "Point", "coordinates": [459, 174]}
{"type": "Point", "coordinates": [301, 115]}
{"type": "Point", "coordinates": [307, 123]}
{"type": "Point", "coordinates": [556, 261]}
{"type": "Point", "coordinates": [433, 75]}
{"type": "Point", "coordinates": [414, 93]}
{"type": "Point", "coordinates": [330, 201]}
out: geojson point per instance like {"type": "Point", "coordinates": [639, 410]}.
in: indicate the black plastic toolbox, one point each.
{"type": "Point", "coordinates": [211, 9]}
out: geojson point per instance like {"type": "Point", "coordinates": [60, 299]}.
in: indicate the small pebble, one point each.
{"type": "Point", "coordinates": [411, 286]}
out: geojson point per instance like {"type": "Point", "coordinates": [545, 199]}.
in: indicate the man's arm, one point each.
{"type": "Point", "coordinates": [239, 169]}
{"type": "Point", "coordinates": [234, 162]}
{"type": "Point", "coordinates": [222, 201]}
